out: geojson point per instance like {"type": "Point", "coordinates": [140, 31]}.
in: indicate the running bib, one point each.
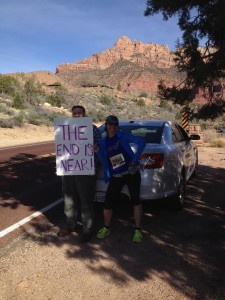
{"type": "Point", "coordinates": [117, 161]}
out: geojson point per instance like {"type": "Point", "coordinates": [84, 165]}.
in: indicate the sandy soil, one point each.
{"type": "Point", "coordinates": [25, 135]}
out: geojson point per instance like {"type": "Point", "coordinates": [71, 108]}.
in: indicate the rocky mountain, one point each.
{"type": "Point", "coordinates": [131, 65]}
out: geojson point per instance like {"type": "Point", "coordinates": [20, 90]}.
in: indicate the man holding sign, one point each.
{"type": "Point", "coordinates": [75, 142]}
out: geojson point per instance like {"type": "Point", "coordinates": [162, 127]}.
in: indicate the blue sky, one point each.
{"type": "Point", "coordinates": [41, 34]}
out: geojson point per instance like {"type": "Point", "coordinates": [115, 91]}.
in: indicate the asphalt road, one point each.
{"type": "Point", "coordinates": [28, 183]}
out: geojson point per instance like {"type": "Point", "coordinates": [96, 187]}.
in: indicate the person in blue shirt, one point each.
{"type": "Point", "coordinates": [120, 165]}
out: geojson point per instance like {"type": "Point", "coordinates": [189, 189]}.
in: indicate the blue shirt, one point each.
{"type": "Point", "coordinates": [118, 158]}
{"type": "Point", "coordinates": [124, 141]}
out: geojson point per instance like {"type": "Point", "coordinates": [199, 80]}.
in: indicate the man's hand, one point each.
{"type": "Point", "coordinates": [96, 148]}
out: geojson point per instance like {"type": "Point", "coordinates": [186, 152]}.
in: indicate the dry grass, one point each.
{"type": "Point", "coordinates": [214, 139]}
{"type": "Point", "coordinates": [218, 142]}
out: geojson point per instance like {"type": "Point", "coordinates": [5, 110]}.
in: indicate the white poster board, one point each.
{"type": "Point", "coordinates": [74, 146]}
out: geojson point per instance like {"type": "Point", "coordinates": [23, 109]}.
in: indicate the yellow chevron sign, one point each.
{"type": "Point", "coordinates": [185, 120]}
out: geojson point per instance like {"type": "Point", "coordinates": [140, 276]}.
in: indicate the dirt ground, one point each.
{"type": "Point", "coordinates": [170, 264]}
{"type": "Point", "coordinates": [25, 135]}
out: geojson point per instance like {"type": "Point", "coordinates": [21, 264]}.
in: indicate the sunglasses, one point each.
{"type": "Point", "coordinates": [112, 124]}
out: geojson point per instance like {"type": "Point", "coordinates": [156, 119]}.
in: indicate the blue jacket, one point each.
{"type": "Point", "coordinates": [125, 139]}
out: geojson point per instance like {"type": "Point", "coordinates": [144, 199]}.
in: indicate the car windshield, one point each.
{"type": "Point", "coordinates": [150, 134]}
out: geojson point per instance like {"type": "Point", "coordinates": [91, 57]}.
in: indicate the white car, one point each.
{"type": "Point", "coordinates": [168, 161]}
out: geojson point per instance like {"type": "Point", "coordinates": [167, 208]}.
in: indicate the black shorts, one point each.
{"type": "Point", "coordinates": [115, 186]}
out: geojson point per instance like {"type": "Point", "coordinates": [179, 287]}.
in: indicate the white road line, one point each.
{"type": "Point", "coordinates": [29, 218]}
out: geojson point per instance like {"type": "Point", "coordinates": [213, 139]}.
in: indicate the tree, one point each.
{"type": "Point", "coordinates": [198, 20]}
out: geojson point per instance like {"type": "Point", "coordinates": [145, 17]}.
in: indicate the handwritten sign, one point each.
{"type": "Point", "coordinates": [74, 146]}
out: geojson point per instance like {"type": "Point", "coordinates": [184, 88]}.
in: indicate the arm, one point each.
{"type": "Point", "coordinates": [129, 138]}
{"type": "Point", "coordinates": [101, 153]}
{"type": "Point", "coordinates": [96, 135]}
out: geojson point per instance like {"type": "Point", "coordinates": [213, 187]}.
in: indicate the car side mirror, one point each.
{"type": "Point", "coordinates": [194, 137]}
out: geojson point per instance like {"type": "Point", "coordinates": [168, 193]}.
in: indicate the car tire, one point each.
{"type": "Point", "coordinates": [178, 199]}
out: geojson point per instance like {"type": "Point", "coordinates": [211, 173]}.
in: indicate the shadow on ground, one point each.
{"type": "Point", "coordinates": [184, 248]}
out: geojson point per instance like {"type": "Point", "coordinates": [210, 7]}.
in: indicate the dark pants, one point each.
{"type": "Point", "coordinates": [79, 191]}
{"type": "Point", "coordinates": [115, 186]}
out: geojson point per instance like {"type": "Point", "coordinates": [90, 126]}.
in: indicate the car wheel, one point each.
{"type": "Point", "coordinates": [178, 199]}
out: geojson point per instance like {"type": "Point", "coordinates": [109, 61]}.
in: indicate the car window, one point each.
{"type": "Point", "coordinates": [183, 133]}
{"type": "Point", "coordinates": [176, 134]}
{"type": "Point", "coordinates": [150, 134]}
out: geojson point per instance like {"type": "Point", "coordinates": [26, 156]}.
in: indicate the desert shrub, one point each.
{"type": "Point", "coordinates": [140, 102]}
{"type": "Point", "coordinates": [49, 119]}
{"type": "Point", "coordinates": [166, 105]}
{"type": "Point", "coordinates": [39, 116]}
{"type": "Point", "coordinates": [9, 85]}
{"type": "Point", "coordinates": [202, 124]}
{"type": "Point", "coordinates": [18, 102]}
{"type": "Point", "coordinates": [6, 110]}
{"type": "Point", "coordinates": [34, 118]}
{"type": "Point", "coordinates": [11, 122]}
{"type": "Point", "coordinates": [33, 92]}
{"type": "Point", "coordinates": [143, 94]}
{"type": "Point", "coordinates": [20, 119]}
{"type": "Point", "coordinates": [106, 100]}
{"type": "Point", "coordinates": [62, 94]}
{"type": "Point", "coordinates": [54, 100]}
{"type": "Point", "coordinates": [209, 135]}
{"type": "Point", "coordinates": [98, 116]}
{"type": "Point", "coordinates": [178, 116]}
{"type": "Point", "coordinates": [4, 98]}
{"type": "Point", "coordinates": [218, 142]}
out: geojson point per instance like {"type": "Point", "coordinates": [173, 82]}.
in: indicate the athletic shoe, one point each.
{"type": "Point", "coordinates": [103, 233]}
{"type": "Point", "coordinates": [137, 238]}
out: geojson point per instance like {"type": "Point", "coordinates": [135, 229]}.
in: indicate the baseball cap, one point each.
{"type": "Point", "coordinates": [112, 119]}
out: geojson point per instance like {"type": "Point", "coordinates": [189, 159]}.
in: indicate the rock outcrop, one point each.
{"type": "Point", "coordinates": [133, 65]}
{"type": "Point", "coordinates": [124, 49]}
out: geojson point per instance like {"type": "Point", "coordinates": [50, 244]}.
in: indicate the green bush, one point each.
{"type": "Point", "coordinates": [106, 100]}
{"type": "Point", "coordinates": [11, 122]}
{"type": "Point", "coordinates": [166, 105]}
{"type": "Point", "coordinates": [140, 102]}
{"type": "Point", "coordinates": [143, 94]}
{"type": "Point", "coordinates": [9, 85]}
{"type": "Point", "coordinates": [98, 116]}
{"type": "Point", "coordinates": [18, 102]}
{"type": "Point", "coordinates": [20, 119]}
{"type": "Point", "coordinates": [6, 110]}
{"type": "Point", "coordinates": [33, 92]}
{"type": "Point", "coordinates": [54, 100]}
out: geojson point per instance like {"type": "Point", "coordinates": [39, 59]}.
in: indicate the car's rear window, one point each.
{"type": "Point", "coordinates": [150, 134]}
